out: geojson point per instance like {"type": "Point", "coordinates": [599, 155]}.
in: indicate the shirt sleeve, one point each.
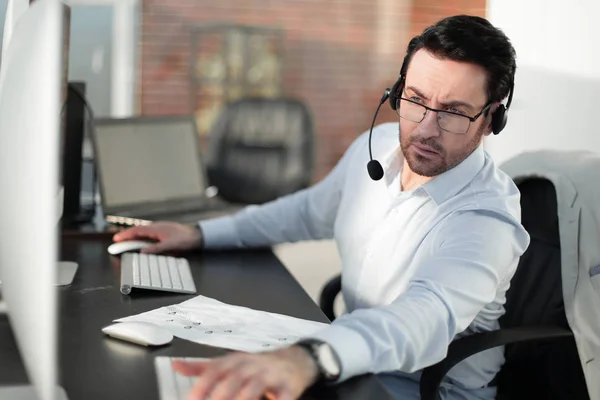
{"type": "Point", "coordinates": [472, 253]}
{"type": "Point", "coordinates": [308, 214]}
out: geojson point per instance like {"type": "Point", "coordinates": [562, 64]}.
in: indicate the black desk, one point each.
{"type": "Point", "coordinates": [97, 367]}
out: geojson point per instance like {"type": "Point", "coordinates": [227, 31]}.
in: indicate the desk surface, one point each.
{"type": "Point", "coordinates": [97, 367]}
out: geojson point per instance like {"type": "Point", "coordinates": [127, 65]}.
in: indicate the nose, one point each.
{"type": "Point", "coordinates": [429, 127]}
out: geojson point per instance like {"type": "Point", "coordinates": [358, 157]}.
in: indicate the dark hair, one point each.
{"type": "Point", "coordinates": [474, 40]}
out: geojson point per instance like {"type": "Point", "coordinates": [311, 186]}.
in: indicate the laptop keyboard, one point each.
{"type": "Point", "coordinates": [208, 204]}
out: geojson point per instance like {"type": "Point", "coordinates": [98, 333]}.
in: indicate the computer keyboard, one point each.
{"type": "Point", "coordinates": [172, 385]}
{"type": "Point", "coordinates": [156, 272]}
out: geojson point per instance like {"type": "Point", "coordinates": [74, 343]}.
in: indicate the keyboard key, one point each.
{"type": "Point", "coordinates": [172, 385]}
{"type": "Point", "coordinates": [164, 272]}
{"type": "Point", "coordinates": [144, 270]}
{"type": "Point", "coordinates": [155, 280]}
{"type": "Point", "coordinates": [136, 269]}
{"type": "Point", "coordinates": [183, 383]}
{"type": "Point", "coordinates": [175, 278]}
{"type": "Point", "coordinates": [166, 379]}
{"type": "Point", "coordinates": [186, 275]}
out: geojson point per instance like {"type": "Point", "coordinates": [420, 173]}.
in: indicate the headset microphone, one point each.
{"type": "Point", "coordinates": [373, 166]}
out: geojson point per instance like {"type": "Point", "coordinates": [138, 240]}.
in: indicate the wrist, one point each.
{"type": "Point", "coordinates": [309, 365]}
{"type": "Point", "coordinates": [325, 359]}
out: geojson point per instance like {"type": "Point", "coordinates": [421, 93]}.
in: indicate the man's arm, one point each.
{"type": "Point", "coordinates": [450, 288]}
{"type": "Point", "coordinates": [308, 214]}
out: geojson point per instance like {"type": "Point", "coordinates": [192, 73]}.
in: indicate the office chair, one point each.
{"type": "Point", "coordinates": [541, 358]}
{"type": "Point", "coordinates": [261, 149]}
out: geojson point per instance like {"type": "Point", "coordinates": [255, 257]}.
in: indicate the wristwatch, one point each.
{"type": "Point", "coordinates": [198, 228]}
{"type": "Point", "coordinates": [327, 360]}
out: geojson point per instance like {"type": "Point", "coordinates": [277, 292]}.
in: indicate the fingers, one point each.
{"type": "Point", "coordinates": [190, 368]}
{"type": "Point", "coordinates": [212, 375]}
{"type": "Point", "coordinates": [228, 388]}
{"type": "Point", "coordinates": [238, 374]}
{"type": "Point", "coordinates": [283, 395]}
{"type": "Point", "coordinates": [253, 390]}
{"type": "Point", "coordinates": [159, 247]}
{"type": "Point", "coordinates": [239, 377]}
{"type": "Point", "coordinates": [136, 232]}
{"type": "Point", "coordinates": [205, 384]}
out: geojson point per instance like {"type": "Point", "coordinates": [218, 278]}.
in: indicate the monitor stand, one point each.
{"type": "Point", "coordinates": [27, 392]}
{"type": "Point", "coordinates": [65, 271]}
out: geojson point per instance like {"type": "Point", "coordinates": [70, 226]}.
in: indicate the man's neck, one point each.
{"type": "Point", "coordinates": [410, 180]}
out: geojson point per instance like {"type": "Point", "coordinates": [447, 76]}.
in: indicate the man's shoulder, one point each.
{"type": "Point", "coordinates": [491, 196]}
{"type": "Point", "coordinates": [492, 190]}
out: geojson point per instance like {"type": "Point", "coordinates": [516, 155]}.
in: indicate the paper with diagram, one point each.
{"type": "Point", "coordinates": [207, 321]}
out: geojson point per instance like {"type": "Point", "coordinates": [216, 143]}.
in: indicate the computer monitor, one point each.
{"type": "Point", "coordinates": [30, 131]}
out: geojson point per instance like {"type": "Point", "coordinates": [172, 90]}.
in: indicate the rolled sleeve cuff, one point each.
{"type": "Point", "coordinates": [351, 348]}
{"type": "Point", "coordinates": [220, 233]}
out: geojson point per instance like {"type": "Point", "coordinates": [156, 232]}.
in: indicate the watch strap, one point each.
{"type": "Point", "coordinates": [311, 346]}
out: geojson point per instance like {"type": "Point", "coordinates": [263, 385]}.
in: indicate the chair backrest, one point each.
{"type": "Point", "coordinates": [539, 370]}
{"type": "Point", "coordinates": [261, 149]}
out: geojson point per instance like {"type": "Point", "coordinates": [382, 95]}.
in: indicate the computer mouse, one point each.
{"type": "Point", "coordinates": [127, 245]}
{"type": "Point", "coordinates": [142, 333]}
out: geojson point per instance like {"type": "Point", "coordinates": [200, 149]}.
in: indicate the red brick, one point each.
{"type": "Point", "coordinates": [330, 60]}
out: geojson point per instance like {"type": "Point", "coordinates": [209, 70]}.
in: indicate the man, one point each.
{"type": "Point", "coordinates": [428, 251]}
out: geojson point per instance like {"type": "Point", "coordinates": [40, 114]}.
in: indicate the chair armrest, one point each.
{"type": "Point", "coordinates": [466, 346]}
{"type": "Point", "coordinates": [328, 295]}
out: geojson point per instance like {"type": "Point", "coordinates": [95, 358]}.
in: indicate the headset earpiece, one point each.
{"type": "Point", "coordinates": [395, 93]}
{"type": "Point", "coordinates": [500, 116]}
{"type": "Point", "coordinates": [499, 119]}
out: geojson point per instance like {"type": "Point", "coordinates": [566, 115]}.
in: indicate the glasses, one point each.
{"type": "Point", "coordinates": [448, 121]}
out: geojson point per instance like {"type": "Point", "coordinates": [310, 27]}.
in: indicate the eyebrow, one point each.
{"type": "Point", "coordinates": [453, 103]}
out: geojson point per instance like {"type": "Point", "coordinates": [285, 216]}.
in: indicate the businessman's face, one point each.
{"type": "Point", "coordinates": [440, 141]}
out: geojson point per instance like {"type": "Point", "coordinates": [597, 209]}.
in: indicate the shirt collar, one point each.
{"type": "Point", "coordinates": [445, 185]}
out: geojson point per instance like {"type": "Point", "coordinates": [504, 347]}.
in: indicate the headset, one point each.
{"type": "Point", "coordinates": [499, 117]}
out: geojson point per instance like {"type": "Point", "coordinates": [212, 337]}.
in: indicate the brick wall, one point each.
{"type": "Point", "coordinates": [339, 55]}
{"type": "Point", "coordinates": [426, 12]}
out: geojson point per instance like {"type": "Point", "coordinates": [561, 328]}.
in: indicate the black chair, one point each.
{"type": "Point", "coordinates": [261, 149]}
{"type": "Point", "coordinates": [541, 358]}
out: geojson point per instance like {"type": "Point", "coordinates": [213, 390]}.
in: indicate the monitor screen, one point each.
{"type": "Point", "coordinates": [147, 160]}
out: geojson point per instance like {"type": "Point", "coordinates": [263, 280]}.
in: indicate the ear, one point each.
{"type": "Point", "coordinates": [488, 119]}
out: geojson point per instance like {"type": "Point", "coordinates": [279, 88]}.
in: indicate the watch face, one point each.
{"type": "Point", "coordinates": [328, 361]}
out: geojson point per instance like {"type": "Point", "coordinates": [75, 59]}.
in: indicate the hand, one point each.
{"type": "Point", "coordinates": [282, 374]}
{"type": "Point", "coordinates": [169, 236]}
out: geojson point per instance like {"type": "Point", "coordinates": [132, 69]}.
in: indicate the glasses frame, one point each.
{"type": "Point", "coordinates": [471, 119]}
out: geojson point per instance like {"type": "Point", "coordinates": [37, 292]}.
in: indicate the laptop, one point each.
{"type": "Point", "coordinates": [151, 169]}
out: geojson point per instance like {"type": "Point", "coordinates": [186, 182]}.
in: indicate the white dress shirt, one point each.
{"type": "Point", "coordinates": [420, 267]}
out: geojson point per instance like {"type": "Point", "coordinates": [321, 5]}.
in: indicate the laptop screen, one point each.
{"type": "Point", "coordinates": [143, 160]}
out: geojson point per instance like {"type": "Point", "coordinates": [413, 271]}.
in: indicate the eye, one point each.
{"type": "Point", "coordinates": [455, 110]}
{"type": "Point", "coordinates": [415, 99]}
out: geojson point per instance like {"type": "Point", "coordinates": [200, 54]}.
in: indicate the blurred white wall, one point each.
{"type": "Point", "coordinates": [557, 87]}
{"type": "Point", "coordinates": [91, 52]}
{"type": "Point", "coordinates": [103, 51]}
{"type": "Point", "coordinates": [3, 7]}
